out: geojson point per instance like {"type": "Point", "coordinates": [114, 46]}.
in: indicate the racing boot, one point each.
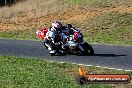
{"type": "Point", "coordinates": [52, 52]}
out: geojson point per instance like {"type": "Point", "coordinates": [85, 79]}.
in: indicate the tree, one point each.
{"type": "Point", "coordinates": [5, 2]}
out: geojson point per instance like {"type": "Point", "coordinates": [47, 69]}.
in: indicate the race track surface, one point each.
{"type": "Point", "coordinates": [112, 56]}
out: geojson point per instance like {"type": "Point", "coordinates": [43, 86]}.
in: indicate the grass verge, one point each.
{"type": "Point", "coordinates": [110, 28]}
{"type": "Point", "coordinates": [16, 72]}
{"type": "Point", "coordinates": [98, 3]}
{"type": "Point", "coordinates": [27, 34]}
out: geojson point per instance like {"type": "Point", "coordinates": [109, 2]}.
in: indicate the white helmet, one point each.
{"type": "Point", "coordinates": [56, 25]}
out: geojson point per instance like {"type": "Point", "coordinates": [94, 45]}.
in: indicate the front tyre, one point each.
{"type": "Point", "coordinates": [88, 49]}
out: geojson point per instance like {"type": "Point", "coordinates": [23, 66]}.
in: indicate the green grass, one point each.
{"type": "Point", "coordinates": [23, 34]}
{"type": "Point", "coordinates": [114, 28]}
{"type": "Point", "coordinates": [18, 35]}
{"type": "Point", "coordinates": [98, 3]}
{"type": "Point", "coordinates": [16, 72]}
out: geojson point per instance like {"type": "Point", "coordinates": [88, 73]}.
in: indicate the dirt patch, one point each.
{"type": "Point", "coordinates": [86, 14]}
{"type": "Point", "coordinates": [70, 15]}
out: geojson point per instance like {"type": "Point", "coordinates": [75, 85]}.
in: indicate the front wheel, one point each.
{"type": "Point", "coordinates": [88, 49]}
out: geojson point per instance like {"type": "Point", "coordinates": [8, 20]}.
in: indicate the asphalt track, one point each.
{"type": "Point", "coordinates": [112, 56]}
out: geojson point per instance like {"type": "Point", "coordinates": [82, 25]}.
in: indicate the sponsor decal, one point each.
{"type": "Point", "coordinates": [101, 78]}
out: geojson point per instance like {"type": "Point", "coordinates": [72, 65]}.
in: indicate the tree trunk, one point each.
{"type": "Point", "coordinates": [5, 2]}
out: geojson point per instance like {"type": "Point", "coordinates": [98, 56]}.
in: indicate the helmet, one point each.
{"type": "Point", "coordinates": [56, 25]}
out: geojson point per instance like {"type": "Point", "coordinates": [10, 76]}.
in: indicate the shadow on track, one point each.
{"type": "Point", "coordinates": [100, 55]}
{"type": "Point", "coordinates": [108, 55]}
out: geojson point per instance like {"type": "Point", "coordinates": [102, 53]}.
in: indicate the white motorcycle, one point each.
{"type": "Point", "coordinates": [77, 47]}
{"type": "Point", "coordinates": [74, 44]}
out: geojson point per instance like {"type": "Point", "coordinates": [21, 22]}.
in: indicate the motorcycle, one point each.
{"type": "Point", "coordinates": [74, 44]}
{"type": "Point", "coordinates": [77, 46]}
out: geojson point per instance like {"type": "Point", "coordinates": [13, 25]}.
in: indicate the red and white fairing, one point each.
{"type": "Point", "coordinates": [77, 35]}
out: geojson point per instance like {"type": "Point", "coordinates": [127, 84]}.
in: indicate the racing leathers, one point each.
{"type": "Point", "coordinates": [52, 37]}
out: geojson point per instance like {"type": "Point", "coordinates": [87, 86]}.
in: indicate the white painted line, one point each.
{"type": "Point", "coordinates": [73, 63]}
{"type": "Point", "coordinates": [98, 66]}
{"type": "Point", "coordinates": [62, 62]}
{"type": "Point", "coordinates": [88, 65]}
{"type": "Point", "coordinates": [104, 67]}
{"type": "Point", "coordinates": [128, 70]}
{"type": "Point", "coordinates": [112, 68]}
{"type": "Point", "coordinates": [119, 69]}
{"type": "Point", "coordinates": [81, 64]}
{"type": "Point", "coordinates": [51, 61]}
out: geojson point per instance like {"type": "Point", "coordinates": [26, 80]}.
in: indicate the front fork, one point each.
{"type": "Point", "coordinates": [81, 48]}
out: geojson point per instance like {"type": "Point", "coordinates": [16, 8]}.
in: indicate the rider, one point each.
{"type": "Point", "coordinates": [53, 36]}
{"type": "Point", "coordinates": [75, 32]}
{"type": "Point", "coordinates": [58, 33]}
